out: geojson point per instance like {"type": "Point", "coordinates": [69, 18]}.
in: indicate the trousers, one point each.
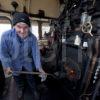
{"type": "Point", "coordinates": [23, 80]}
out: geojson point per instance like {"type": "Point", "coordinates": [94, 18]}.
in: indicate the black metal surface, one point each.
{"type": "Point", "coordinates": [12, 92]}
{"type": "Point", "coordinates": [2, 80]}
{"type": "Point", "coordinates": [55, 90]}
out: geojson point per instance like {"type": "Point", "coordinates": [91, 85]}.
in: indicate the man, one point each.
{"type": "Point", "coordinates": [19, 52]}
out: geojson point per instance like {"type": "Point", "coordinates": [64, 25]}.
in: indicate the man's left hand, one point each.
{"type": "Point", "coordinates": [43, 75]}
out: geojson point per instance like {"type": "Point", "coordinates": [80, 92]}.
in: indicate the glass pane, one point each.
{"type": "Point", "coordinates": [5, 25]}
{"type": "Point", "coordinates": [45, 29]}
{"type": "Point", "coordinates": [35, 31]}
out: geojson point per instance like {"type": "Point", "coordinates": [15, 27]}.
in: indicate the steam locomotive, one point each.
{"type": "Point", "coordinates": [72, 55]}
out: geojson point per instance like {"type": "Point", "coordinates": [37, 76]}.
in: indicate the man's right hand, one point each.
{"type": "Point", "coordinates": [7, 70]}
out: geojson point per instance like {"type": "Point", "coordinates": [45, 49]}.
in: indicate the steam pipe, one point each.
{"type": "Point", "coordinates": [30, 14]}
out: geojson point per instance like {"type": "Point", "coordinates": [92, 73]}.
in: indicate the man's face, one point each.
{"type": "Point", "coordinates": [22, 29]}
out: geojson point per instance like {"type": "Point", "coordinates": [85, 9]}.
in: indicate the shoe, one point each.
{"type": "Point", "coordinates": [20, 95]}
{"type": "Point", "coordinates": [36, 96]}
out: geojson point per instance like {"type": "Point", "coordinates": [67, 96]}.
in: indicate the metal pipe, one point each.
{"type": "Point", "coordinates": [33, 73]}
{"type": "Point", "coordinates": [30, 14]}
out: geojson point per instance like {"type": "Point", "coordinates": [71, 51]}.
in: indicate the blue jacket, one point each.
{"type": "Point", "coordinates": [17, 52]}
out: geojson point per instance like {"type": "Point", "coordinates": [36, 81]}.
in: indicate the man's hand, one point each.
{"type": "Point", "coordinates": [43, 75]}
{"type": "Point", "coordinates": [7, 70]}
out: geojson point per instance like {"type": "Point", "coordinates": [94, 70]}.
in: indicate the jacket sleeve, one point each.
{"type": "Point", "coordinates": [4, 52]}
{"type": "Point", "coordinates": [36, 54]}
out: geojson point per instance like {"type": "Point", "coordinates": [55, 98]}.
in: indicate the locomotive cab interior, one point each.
{"type": "Point", "coordinates": [68, 33]}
